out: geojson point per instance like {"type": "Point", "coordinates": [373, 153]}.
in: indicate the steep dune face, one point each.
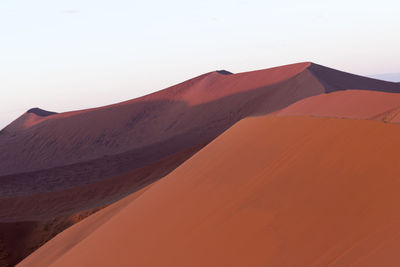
{"type": "Point", "coordinates": [70, 163]}
{"type": "Point", "coordinates": [271, 191]}
{"type": "Point", "coordinates": [354, 104]}
{"type": "Point", "coordinates": [18, 240]}
{"type": "Point", "coordinates": [334, 80]}
{"type": "Point", "coordinates": [86, 228]}
{"type": "Point", "coordinates": [27, 120]}
{"type": "Point", "coordinates": [29, 221]}
{"type": "Point", "coordinates": [181, 110]}
{"type": "Point", "coordinates": [61, 165]}
{"type": "Point", "coordinates": [200, 108]}
{"type": "Point", "coordinates": [70, 150]}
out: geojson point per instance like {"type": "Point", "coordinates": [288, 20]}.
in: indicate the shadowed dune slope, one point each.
{"type": "Point", "coordinates": [202, 107]}
{"type": "Point", "coordinates": [46, 205]}
{"type": "Point", "coordinates": [209, 103]}
{"type": "Point", "coordinates": [57, 166]}
{"type": "Point", "coordinates": [66, 164]}
{"type": "Point", "coordinates": [334, 80]}
{"type": "Point", "coordinates": [270, 191]}
{"type": "Point", "coordinates": [41, 112]}
{"type": "Point", "coordinates": [354, 104]}
{"type": "Point", "coordinates": [30, 221]}
{"type": "Point", "coordinates": [69, 150]}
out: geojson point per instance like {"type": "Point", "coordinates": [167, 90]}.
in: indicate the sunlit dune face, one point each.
{"type": "Point", "coordinates": [266, 188]}
{"type": "Point", "coordinates": [214, 86]}
{"type": "Point", "coordinates": [354, 104]}
{"type": "Point", "coordinates": [271, 191]}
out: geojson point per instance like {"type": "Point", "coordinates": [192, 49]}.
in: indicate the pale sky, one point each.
{"type": "Point", "coordinates": [66, 55]}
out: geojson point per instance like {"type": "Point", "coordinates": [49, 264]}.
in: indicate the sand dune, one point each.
{"type": "Point", "coordinates": [69, 150]}
{"type": "Point", "coordinates": [334, 80]}
{"type": "Point", "coordinates": [54, 166]}
{"type": "Point", "coordinates": [57, 166]}
{"type": "Point", "coordinates": [30, 221]}
{"type": "Point", "coordinates": [354, 104]}
{"type": "Point", "coordinates": [212, 101]}
{"type": "Point", "coordinates": [271, 191]}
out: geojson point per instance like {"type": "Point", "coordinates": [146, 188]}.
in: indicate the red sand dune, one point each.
{"type": "Point", "coordinates": [58, 152]}
{"type": "Point", "coordinates": [206, 105]}
{"type": "Point", "coordinates": [34, 219]}
{"type": "Point", "coordinates": [271, 191]}
{"type": "Point", "coordinates": [60, 165]}
{"type": "Point", "coordinates": [354, 104]}
{"type": "Point", "coordinates": [210, 101]}
{"type": "Point", "coordinates": [45, 152]}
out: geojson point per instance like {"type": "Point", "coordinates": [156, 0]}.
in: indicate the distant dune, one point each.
{"type": "Point", "coordinates": [57, 168]}
{"type": "Point", "coordinates": [271, 191]}
{"type": "Point", "coordinates": [353, 104]}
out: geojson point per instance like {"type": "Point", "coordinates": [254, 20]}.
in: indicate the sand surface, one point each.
{"type": "Point", "coordinates": [57, 166]}
{"type": "Point", "coordinates": [30, 221]}
{"type": "Point", "coordinates": [271, 191]}
{"type": "Point", "coordinates": [54, 167]}
{"type": "Point", "coordinates": [353, 104]}
{"type": "Point", "coordinates": [78, 234]}
{"type": "Point", "coordinates": [194, 111]}
{"type": "Point", "coordinates": [44, 153]}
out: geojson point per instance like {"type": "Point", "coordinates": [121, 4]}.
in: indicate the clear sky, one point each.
{"type": "Point", "coordinates": [65, 55]}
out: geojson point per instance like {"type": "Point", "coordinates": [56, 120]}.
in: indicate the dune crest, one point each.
{"type": "Point", "coordinates": [352, 104]}
{"type": "Point", "coordinates": [41, 112]}
{"type": "Point", "coordinates": [65, 164]}
{"type": "Point", "coordinates": [30, 118]}
{"type": "Point", "coordinates": [271, 191]}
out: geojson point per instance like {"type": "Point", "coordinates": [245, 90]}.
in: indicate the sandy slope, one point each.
{"type": "Point", "coordinates": [87, 227]}
{"type": "Point", "coordinates": [54, 167]}
{"type": "Point", "coordinates": [271, 191]}
{"type": "Point", "coordinates": [57, 166]}
{"type": "Point", "coordinates": [202, 107]}
{"type": "Point", "coordinates": [44, 154]}
{"type": "Point", "coordinates": [355, 104]}
{"type": "Point", "coordinates": [196, 111]}
{"type": "Point", "coordinates": [34, 219]}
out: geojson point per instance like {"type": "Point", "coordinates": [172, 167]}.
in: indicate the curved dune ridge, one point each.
{"type": "Point", "coordinates": [353, 104]}
{"type": "Point", "coordinates": [271, 191]}
{"type": "Point", "coordinates": [41, 112]}
{"type": "Point", "coordinates": [28, 119]}
{"type": "Point", "coordinates": [71, 150]}
{"type": "Point", "coordinates": [58, 166]}
{"type": "Point", "coordinates": [71, 137]}
{"type": "Point", "coordinates": [211, 100]}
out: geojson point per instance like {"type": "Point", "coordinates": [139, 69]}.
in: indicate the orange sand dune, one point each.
{"type": "Point", "coordinates": [63, 165]}
{"type": "Point", "coordinates": [57, 166]}
{"type": "Point", "coordinates": [271, 191]}
{"type": "Point", "coordinates": [45, 153]}
{"type": "Point", "coordinates": [355, 104]}
{"type": "Point", "coordinates": [30, 221]}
